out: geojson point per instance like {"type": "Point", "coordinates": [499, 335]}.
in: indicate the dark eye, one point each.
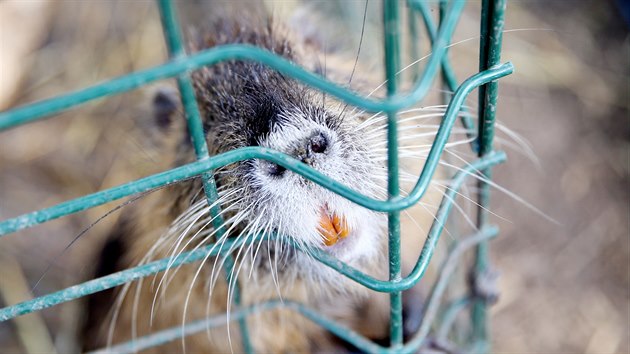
{"type": "Point", "coordinates": [319, 143]}
{"type": "Point", "coordinates": [274, 170]}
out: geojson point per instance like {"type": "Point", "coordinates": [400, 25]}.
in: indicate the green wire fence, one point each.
{"type": "Point", "coordinates": [181, 64]}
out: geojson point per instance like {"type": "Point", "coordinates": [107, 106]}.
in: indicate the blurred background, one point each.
{"type": "Point", "coordinates": [564, 262]}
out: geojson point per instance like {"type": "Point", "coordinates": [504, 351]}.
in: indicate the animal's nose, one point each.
{"type": "Point", "coordinates": [308, 149]}
{"type": "Point", "coordinates": [316, 144]}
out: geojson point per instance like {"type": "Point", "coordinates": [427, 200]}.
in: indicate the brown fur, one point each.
{"type": "Point", "coordinates": [280, 330]}
{"type": "Point", "coordinates": [271, 331]}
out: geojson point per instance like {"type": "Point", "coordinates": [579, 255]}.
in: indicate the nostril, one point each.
{"type": "Point", "coordinates": [319, 143]}
{"type": "Point", "coordinates": [274, 170]}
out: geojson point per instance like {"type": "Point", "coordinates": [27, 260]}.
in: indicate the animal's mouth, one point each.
{"type": "Point", "coordinates": [332, 227]}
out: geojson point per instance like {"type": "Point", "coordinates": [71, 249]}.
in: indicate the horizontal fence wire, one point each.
{"type": "Point", "coordinates": [47, 108]}
{"type": "Point", "coordinates": [341, 331]}
{"type": "Point", "coordinates": [197, 168]}
{"type": "Point", "coordinates": [181, 64]}
{"type": "Point", "coordinates": [368, 281]}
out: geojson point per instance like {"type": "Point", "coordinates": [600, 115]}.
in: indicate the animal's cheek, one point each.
{"type": "Point", "coordinates": [290, 212]}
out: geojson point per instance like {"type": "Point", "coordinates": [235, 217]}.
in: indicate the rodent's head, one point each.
{"type": "Point", "coordinates": [247, 104]}
{"type": "Point", "coordinates": [255, 106]}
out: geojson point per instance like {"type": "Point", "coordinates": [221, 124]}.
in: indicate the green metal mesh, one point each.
{"type": "Point", "coordinates": [180, 66]}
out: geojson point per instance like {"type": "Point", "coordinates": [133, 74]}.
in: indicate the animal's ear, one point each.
{"type": "Point", "coordinates": [165, 124]}
{"type": "Point", "coordinates": [166, 105]}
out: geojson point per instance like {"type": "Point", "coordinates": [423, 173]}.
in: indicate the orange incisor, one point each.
{"type": "Point", "coordinates": [332, 227]}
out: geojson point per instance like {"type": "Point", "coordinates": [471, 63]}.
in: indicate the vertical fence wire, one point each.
{"type": "Point", "coordinates": [492, 23]}
{"type": "Point", "coordinates": [172, 35]}
{"type": "Point", "coordinates": [391, 28]}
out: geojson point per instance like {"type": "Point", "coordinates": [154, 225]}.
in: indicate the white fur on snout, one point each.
{"type": "Point", "coordinates": [294, 204]}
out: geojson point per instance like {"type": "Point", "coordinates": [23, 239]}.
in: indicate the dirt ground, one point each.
{"type": "Point", "coordinates": [566, 285]}
{"type": "Point", "coordinates": [564, 261]}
